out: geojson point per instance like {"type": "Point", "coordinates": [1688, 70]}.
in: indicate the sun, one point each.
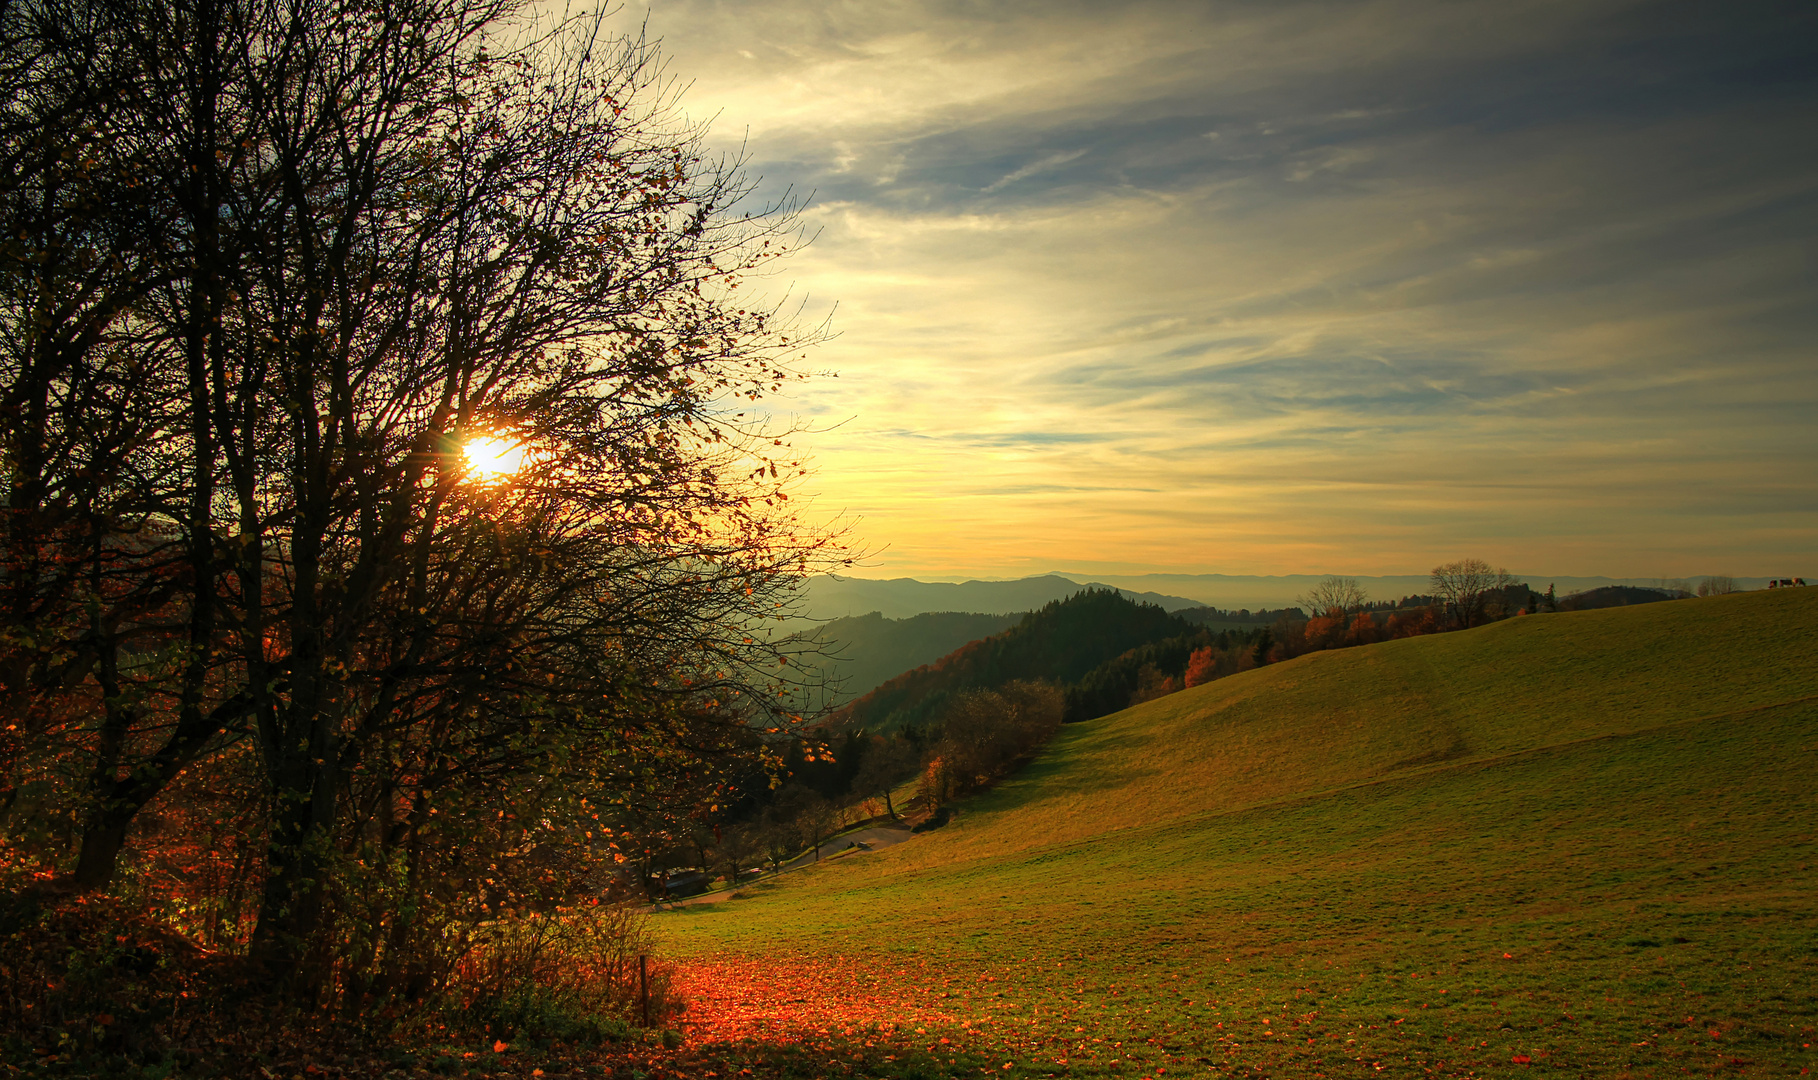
{"type": "Point", "coordinates": [493, 457]}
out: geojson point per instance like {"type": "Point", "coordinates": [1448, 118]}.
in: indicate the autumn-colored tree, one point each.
{"type": "Point", "coordinates": [1412, 623]}
{"type": "Point", "coordinates": [1325, 631]}
{"type": "Point", "coordinates": [380, 242]}
{"type": "Point", "coordinates": [936, 784]}
{"type": "Point", "coordinates": [1152, 683]}
{"type": "Point", "coordinates": [1202, 666]}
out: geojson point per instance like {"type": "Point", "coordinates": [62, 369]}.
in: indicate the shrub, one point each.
{"type": "Point", "coordinates": [574, 975]}
{"type": "Point", "coordinates": [98, 987]}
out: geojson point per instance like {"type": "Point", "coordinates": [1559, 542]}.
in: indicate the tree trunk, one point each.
{"type": "Point", "coordinates": [100, 854]}
{"type": "Point", "coordinates": [296, 868]}
{"type": "Point", "coordinates": [118, 801]}
{"type": "Point", "coordinates": [290, 905]}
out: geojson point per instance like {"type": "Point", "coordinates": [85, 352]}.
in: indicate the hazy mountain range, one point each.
{"type": "Point", "coordinates": [833, 597]}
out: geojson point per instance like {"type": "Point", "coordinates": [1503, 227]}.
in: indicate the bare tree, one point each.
{"type": "Point", "coordinates": [1341, 594]}
{"type": "Point", "coordinates": [819, 819]}
{"type": "Point", "coordinates": [1718, 585]}
{"type": "Point", "coordinates": [1466, 588]}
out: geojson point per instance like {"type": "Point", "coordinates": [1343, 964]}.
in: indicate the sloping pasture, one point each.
{"type": "Point", "coordinates": [1581, 843]}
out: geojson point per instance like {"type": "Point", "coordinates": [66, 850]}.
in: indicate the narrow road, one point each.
{"type": "Point", "coordinates": [845, 845]}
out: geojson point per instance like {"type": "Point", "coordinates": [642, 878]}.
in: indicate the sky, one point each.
{"type": "Point", "coordinates": [1263, 288]}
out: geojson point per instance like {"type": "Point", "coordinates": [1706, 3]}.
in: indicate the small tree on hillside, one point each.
{"type": "Point", "coordinates": [739, 847]}
{"type": "Point", "coordinates": [936, 785]}
{"type": "Point", "coordinates": [1202, 666]}
{"type": "Point", "coordinates": [886, 764]}
{"type": "Point", "coordinates": [1466, 587]}
{"type": "Point", "coordinates": [781, 840]}
{"type": "Point", "coordinates": [819, 819]}
{"type": "Point", "coordinates": [1341, 594]}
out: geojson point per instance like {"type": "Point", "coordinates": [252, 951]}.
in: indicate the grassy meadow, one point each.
{"type": "Point", "coordinates": [1580, 844]}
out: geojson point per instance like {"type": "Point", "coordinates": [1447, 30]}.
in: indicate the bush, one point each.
{"type": "Point", "coordinates": [573, 975]}
{"type": "Point", "coordinates": [986, 734]}
{"type": "Point", "coordinates": [96, 986]}
{"type": "Point", "coordinates": [540, 1015]}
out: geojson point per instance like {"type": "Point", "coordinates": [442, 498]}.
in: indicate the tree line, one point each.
{"type": "Point", "coordinates": [978, 737]}
{"type": "Point", "coordinates": [1060, 643]}
{"type": "Point", "coordinates": [950, 725]}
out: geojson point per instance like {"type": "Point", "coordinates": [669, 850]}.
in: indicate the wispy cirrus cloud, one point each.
{"type": "Point", "coordinates": [1052, 161]}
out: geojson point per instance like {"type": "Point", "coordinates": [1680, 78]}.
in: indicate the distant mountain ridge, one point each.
{"type": "Point", "coordinates": [838, 596]}
{"type": "Point", "coordinates": [833, 596]}
{"type": "Point", "coordinates": [1275, 591]}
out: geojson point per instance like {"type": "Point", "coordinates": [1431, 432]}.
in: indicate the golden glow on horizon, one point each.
{"type": "Point", "coordinates": [1240, 343]}
{"type": "Point", "coordinates": [493, 457]}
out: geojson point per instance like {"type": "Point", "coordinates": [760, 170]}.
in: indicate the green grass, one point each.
{"type": "Point", "coordinates": [1587, 839]}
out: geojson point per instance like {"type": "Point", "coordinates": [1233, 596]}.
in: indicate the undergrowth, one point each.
{"type": "Point", "coordinates": [95, 986]}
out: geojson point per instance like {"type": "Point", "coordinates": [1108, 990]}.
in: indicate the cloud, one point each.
{"type": "Point", "coordinates": [1528, 278]}
{"type": "Point", "coordinates": [1052, 161]}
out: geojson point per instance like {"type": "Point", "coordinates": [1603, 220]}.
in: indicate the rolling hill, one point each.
{"type": "Point", "coordinates": [1612, 596]}
{"type": "Point", "coordinates": [865, 650]}
{"type": "Point", "coordinates": [1061, 643]}
{"type": "Point", "coordinates": [1580, 842]}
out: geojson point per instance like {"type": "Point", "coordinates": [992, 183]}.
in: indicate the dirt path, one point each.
{"type": "Point", "coordinates": [843, 846]}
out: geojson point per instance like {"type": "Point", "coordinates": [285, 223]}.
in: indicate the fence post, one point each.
{"type": "Point", "coordinates": [644, 985]}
